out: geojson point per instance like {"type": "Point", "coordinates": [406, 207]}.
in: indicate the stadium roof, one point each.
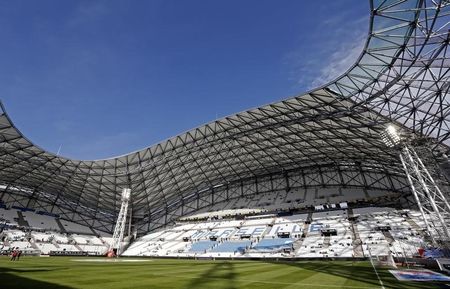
{"type": "Point", "coordinates": [401, 77]}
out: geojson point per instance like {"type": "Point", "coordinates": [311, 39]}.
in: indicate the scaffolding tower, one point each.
{"type": "Point", "coordinates": [117, 239]}
{"type": "Point", "coordinates": [432, 203]}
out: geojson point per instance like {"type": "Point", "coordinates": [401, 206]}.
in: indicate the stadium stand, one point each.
{"type": "Point", "coordinates": [226, 183]}
{"type": "Point", "coordinates": [9, 216]}
{"type": "Point", "coordinates": [321, 233]}
{"type": "Point", "coordinates": [43, 235]}
{"type": "Point", "coordinates": [318, 234]}
{"type": "Point", "coordinates": [202, 246]}
{"type": "Point", "coordinates": [232, 247]}
{"type": "Point", "coordinates": [272, 245]}
{"type": "Point", "coordinates": [381, 228]}
{"type": "Point", "coordinates": [40, 221]}
{"type": "Point", "coordinates": [75, 228]}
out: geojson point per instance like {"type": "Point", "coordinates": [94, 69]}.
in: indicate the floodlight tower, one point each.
{"type": "Point", "coordinates": [430, 199]}
{"type": "Point", "coordinates": [119, 229]}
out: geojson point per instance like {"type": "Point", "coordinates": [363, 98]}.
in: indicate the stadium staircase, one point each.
{"type": "Point", "coordinates": [78, 247]}
{"type": "Point", "coordinates": [326, 242]}
{"type": "Point", "coordinates": [106, 243]}
{"type": "Point", "coordinates": [21, 220]}
{"type": "Point", "coordinates": [305, 228]}
{"type": "Point", "coordinates": [177, 237]}
{"type": "Point", "coordinates": [388, 237]}
{"type": "Point", "coordinates": [268, 229]}
{"type": "Point", "coordinates": [33, 244]}
{"type": "Point", "coordinates": [414, 225]}
{"type": "Point", "coordinates": [60, 225]}
{"type": "Point", "coordinates": [366, 194]}
{"type": "Point", "coordinates": [357, 243]}
{"type": "Point", "coordinates": [357, 247]}
{"type": "Point", "coordinates": [298, 243]}
{"type": "Point", "coordinates": [74, 242]}
{"type": "Point", "coordinates": [350, 213]}
{"type": "Point", "coordinates": [309, 218]}
{"type": "Point", "coordinates": [232, 235]}
{"type": "Point", "coordinates": [55, 243]}
{"type": "Point", "coordinates": [6, 243]}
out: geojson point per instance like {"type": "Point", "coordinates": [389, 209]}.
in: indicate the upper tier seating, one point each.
{"type": "Point", "coordinates": [40, 233]}
{"type": "Point", "coordinates": [296, 218]}
{"type": "Point", "coordinates": [371, 210]}
{"type": "Point", "coordinates": [9, 215]}
{"type": "Point", "coordinates": [75, 228]}
{"type": "Point", "coordinates": [256, 222]}
{"type": "Point", "coordinates": [329, 214]}
{"type": "Point", "coordinates": [40, 221]}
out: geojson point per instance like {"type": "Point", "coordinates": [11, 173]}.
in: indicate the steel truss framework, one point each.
{"type": "Point", "coordinates": [432, 203]}
{"type": "Point", "coordinates": [119, 229]}
{"type": "Point", "coordinates": [326, 137]}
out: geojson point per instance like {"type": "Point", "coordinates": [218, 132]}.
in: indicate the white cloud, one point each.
{"type": "Point", "coordinates": [342, 59]}
{"type": "Point", "coordinates": [332, 56]}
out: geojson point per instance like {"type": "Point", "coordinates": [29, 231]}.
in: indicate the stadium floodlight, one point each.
{"type": "Point", "coordinates": [390, 137]}
{"type": "Point", "coordinates": [126, 195]}
{"type": "Point", "coordinates": [432, 203]}
{"type": "Point", "coordinates": [117, 240]}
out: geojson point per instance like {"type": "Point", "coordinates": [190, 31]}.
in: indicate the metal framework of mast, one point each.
{"type": "Point", "coordinates": [432, 203]}
{"type": "Point", "coordinates": [119, 229]}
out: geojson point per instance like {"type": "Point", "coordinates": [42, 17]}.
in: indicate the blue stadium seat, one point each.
{"type": "Point", "coordinates": [202, 246]}
{"type": "Point", "coordinates": [274, 244]}
{"type": "Point", "coordinates": [232, 246]}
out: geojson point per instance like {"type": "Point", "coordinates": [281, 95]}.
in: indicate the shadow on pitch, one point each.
{"type": "Point", "coordinates": [218, 272]}
{"type": "Point", "coordinates": [358, 272]}
{"type": "Point", "coordinates": [13, 278]}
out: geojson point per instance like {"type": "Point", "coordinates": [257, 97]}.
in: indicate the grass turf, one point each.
{"type": "Point", "coordinates": [76, 272]}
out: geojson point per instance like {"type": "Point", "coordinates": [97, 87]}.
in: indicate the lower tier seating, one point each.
{"type": "Point", "coordinates": [339, 233]}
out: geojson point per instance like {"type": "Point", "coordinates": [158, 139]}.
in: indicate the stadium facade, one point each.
{"type": "Point", "coordinates": [325, 140]}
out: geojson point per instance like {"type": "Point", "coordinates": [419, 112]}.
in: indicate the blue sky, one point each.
{"type": "Point", "coordinates": [103, 78]}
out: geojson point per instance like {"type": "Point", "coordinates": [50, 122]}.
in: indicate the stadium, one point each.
{"type": "Point", "coordinates": [344, 186]}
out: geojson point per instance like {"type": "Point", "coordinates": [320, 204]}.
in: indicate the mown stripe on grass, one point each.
{"type": "Point", "coordinates": [190, 274]}
{"type": "Point", "coordinates": [264, 282]}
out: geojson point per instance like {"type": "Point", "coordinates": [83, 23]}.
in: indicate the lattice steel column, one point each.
{"type": "Point", "coordinates": [119, 229]}
{"type": "Point", "coordinates": [433, 205]}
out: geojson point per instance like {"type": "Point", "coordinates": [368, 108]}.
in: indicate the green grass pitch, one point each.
{"type": "Point", "coordinates": [80, 272]}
